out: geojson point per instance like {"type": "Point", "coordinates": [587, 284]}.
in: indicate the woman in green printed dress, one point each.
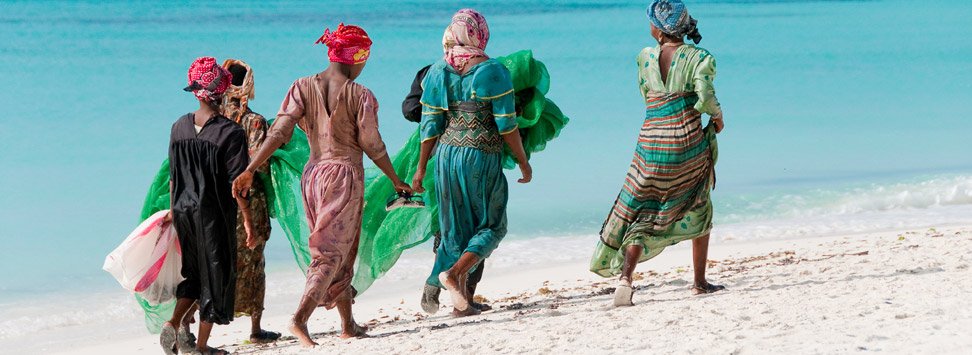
{"type": "Point", "coordinates": [665, 198]}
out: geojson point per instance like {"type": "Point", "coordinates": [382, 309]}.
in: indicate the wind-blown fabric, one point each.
{"type": "Point", "coordinates": [465, 38]}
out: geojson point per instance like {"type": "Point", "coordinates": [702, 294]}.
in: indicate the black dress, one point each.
{"type": "Point", "coordinates": [202, 168]}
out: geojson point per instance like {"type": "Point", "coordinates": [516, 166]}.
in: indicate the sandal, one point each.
{"type": "Point", "coordinates": [624, 293]}
{"type": "Point", "coordinates": [707, 288]}
{"type": "Point", "coordinates": [168, 339]}
{"type": "Point", "coordinates": [482, 307]}
{"type": "Point", "coordinates": [264, 336]}
{"type": "Point", "coordinates": [404, 199]}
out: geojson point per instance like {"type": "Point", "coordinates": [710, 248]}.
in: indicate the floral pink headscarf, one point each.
{"type": "Point", "coordinates": [465, 38]}
{"type": "Point", "coordinates": [208, 80]}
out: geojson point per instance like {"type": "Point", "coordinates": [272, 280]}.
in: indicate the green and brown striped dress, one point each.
{"type": "Point", "coordinates": [665, 197]}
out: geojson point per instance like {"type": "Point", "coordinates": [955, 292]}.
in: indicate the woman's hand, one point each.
{"type": "Point", "coordinates": [401, 186]}
{"type": "Point", "coordinates": [527, 172]}
{"type": "Point", "coordinates": [417, 181]}
{"type": "Point", "coordinates": [242, 184]}
{"type": "Point", "coordinates": [251, 242]}
{"type": "Point", "coordinates": [717, 122]}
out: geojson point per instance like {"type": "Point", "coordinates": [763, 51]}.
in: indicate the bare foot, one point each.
{"type": "Point", "coordinates": [451, 283]}
{"type": "Point", "coordinates": [168, 339]}
{"type": "Point", "coordinates": [706, 288]}
{"type": "Point", "coordinates": [430, 299]}
{"type": "Point", "coordinates": [300, 331]}
{"type": "Point", "coordinates": [623, 293]}
{"type": "Point", "coordinates": [356, 331]}
{"type": "Point", "coordinates": [471, 311]}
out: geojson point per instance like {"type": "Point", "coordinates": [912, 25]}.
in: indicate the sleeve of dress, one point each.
{"type": "Point", "coordinates": [293, 107]}
{"type": "Point", "coordinates": [369, 139]}
{"type": "Point", "coordinates": [412, 105]}
{"type": "Point", "coordinates": [705, 73]}
{"type": "Point", "coordinates": [642, 62]}
{"type": "Point", "coordinates": [496, 85]}
{"type": "Point", "coordinates": [236, 156]}
{"type": "Point", "coordinates": [433, 114]}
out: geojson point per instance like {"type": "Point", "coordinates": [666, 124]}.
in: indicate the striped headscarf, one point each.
{"type": "Point", "coordinates": [672, 18]}
{"type": "Point", "coordinates": [465, 38]}
{"type": "Point", "coordinates": [349, 44]}
{"type": "Point", "coordinates": [207, 80]}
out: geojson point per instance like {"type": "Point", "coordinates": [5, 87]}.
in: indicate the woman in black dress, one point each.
{"type": "Point", "coordinates": [206, 152]}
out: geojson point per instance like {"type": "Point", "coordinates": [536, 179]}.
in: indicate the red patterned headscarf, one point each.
{"type": "Point", "coordinates": [348, 44]}
{"type": "Point", "coordinates": [465, 38]}
{"type": "Point", "coordinates": [208, 80]}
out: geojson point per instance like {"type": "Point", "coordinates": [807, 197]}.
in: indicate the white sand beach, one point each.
{"type": "Point", "coordinates": [905, 291]}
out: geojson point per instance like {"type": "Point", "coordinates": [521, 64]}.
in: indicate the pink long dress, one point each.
{"type": "Point", "coordinates": [333, 180]}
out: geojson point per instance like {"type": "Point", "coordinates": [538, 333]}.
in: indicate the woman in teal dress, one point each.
{"type": "Point", "coordinates": [468, 113]}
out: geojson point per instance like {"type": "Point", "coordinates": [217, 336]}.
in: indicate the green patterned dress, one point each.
{"type": "Point", "coordinates": [665, 197]}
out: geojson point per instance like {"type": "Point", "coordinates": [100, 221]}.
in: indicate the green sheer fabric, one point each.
{"type": "Point", "coordinates": [386, 235]}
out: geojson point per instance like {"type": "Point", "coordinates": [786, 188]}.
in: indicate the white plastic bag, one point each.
{"type": "Point", "coordinates": [149, 261]}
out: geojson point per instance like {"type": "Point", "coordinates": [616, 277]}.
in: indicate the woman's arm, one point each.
{"type": "Point", "coordinates": [516, 145]}
{"type": "Point", "coordinates": [244, 207]}
{"type": "Point", "coordinates": [425, 153]}
{"type": "Point", "coordinates": [386, 167]}
{"type": "Point", "coordinates": [704, 78]}
{"type": "Point", "coordinates": [369, 138]}
{"type": "Point", "coordinates": [280, 133]}
{"type": "Point", "coordinates": [504, 112]}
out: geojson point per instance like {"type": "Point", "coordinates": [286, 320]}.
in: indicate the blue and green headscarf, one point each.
{"type": "Point", "coordinates": [671, 17]}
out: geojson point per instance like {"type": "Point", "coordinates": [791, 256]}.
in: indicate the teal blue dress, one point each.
{"type": "Point", "coordinates": [467, 114]}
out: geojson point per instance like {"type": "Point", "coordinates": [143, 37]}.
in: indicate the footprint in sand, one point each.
{"type": "Point", "coordinates": [678, 282]}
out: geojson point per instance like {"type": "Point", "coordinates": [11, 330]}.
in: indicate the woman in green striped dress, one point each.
{"type": "Point", "coordinates": [665, 197]}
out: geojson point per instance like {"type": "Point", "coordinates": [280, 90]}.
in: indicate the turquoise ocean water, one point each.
{"type": "Point", "coordinates": [841, 116]}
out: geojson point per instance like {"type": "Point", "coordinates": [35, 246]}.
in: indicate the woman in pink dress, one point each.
{"type": "Point", "coordinates": [341, 122]}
